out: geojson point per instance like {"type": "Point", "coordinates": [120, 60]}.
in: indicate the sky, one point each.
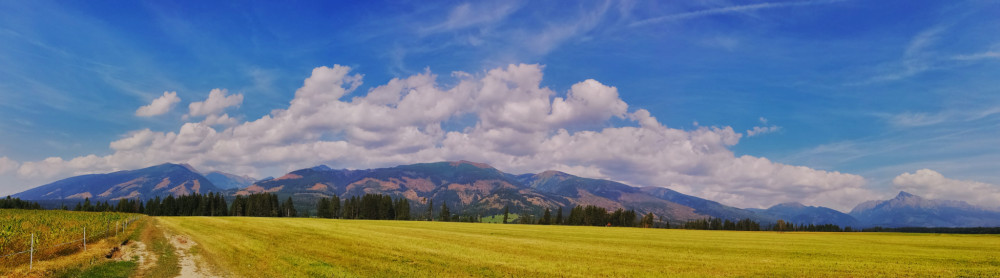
{"type": "Point", "coordinates": [749, 103]}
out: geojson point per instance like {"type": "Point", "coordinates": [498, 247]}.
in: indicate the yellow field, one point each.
{"type": "Point", "coordinates": [281, 247]}
{"type": "Point", "coordinates": [55, 232]}
{"type": "Point", "coordinates": [58, 236]}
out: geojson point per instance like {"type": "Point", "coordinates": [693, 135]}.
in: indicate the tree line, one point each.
{"type": "Point", "coordinates": [783, 226]}
{"type": "Point", "coordinates": [385, 207]}
{"type": "Point", "coordinates": [262, 205]}
{"type": "Point", "coordinates": [597, 216]}
{"type": "Point", "coordinates": [722, 224]}
{"type": "Point", "coordinates": [17, 203]}
{"type": "Point", "coordinates": [369, 206]}
{"type": "Point", "coordinates": [750, 225]}
{"type": "Point", "coordinates": [124, 205]}
{"type": "Point", "coordinates": [589, 215]}
{"type": "Point", "coordinates": [210, 204]}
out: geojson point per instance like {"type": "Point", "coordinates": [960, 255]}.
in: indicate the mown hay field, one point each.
{"type": "Point", "coordinates": [299, 247]}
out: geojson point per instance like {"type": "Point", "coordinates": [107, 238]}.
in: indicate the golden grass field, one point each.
{"type": "Point", "coordinates": [298, 247]}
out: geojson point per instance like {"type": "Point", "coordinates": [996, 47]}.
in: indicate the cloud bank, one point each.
{"type": "Point", "coordinates": [503, 117]}
{"type": "Point", "coordinates": [8, 165]}
{"type": "Point", "coordinates": [159, 106]}
{"type": "Point", "coordinates": [931, 184]}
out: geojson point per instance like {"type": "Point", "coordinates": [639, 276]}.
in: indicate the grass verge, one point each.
{"type": "Point", "coordinates": [113, 269]}
{"type": "Point", "coordinates": [166, 264]}
{"type": "Point", "coordinates": [99, 267]}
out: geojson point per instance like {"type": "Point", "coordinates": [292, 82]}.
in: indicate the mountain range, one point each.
{"type": "Point", "coordinates": [477, 188]}
{"type": "Point", "coordinates": [908, 210]}
{"type": "Point", "coordinates": [160, 180]}
{"type": "Point", "coordinates": [224, 180]}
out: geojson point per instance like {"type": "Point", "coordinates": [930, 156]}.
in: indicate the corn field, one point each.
{"type": "Point", "coordinates": [55, 232]}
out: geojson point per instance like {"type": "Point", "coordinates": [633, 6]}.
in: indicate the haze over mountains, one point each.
{"type": "Point", "coordinates": [476, 188]}
{"type": "Point", "coordinates": [908, 210]}
{"type": "Point", "coordinates": [224, 180]}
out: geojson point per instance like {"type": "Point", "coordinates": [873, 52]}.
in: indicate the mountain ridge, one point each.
{"type": "Point", "coordinates": [478, 188]}
{"type": "Point", "coordinates": [908, 210]}
{"type": "Point", "coordinates": [159, 180]}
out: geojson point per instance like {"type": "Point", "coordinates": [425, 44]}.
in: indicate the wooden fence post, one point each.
{"type": "Point", "coordinates": [84, 238]}
{"type": "Point", "coordinates": [31, 258]}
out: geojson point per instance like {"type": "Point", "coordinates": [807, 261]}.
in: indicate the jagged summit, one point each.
{"type": "Point", "coordinates": [904, 195]}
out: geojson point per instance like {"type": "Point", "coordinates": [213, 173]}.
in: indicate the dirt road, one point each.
{"type": "Point", "coordinates": [191, 264]}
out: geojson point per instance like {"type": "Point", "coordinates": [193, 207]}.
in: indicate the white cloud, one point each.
{"type": "Point", "coordinates": [159, 106]}
{"type": "Point", "coordinates": [217, 120]}
{"type": "Point", "coordinates": [728, 10]}
{"type": "Point", "coordinates": [917, 58]}
{"type": "Point", "coordinates": [217, 102]}
{"type": "Point", "coordinates": [909, 119]}
{"type": "Point", "coordinates": [473, 14]}
{"type": "Point", "coordinates": [979, 56]}
{"type": "Point", "coordinates": [991, 54]}
{"type": "Point", "coordinates": [760, 130]}
{"type": "Point", "coordinates": [8, 165]}
{"type": "Point", "coordinates": [512, 123]}
{"type": "Point", "coordinates": [951, 115]}
{"type": "Point", "coordinates": [931, 184]}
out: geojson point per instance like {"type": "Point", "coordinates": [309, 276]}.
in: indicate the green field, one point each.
{"type": "Point", "coordinates": [279, 247]}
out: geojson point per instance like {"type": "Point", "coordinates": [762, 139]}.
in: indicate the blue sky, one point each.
{"type": "Point", "coordinates": [857, 92]}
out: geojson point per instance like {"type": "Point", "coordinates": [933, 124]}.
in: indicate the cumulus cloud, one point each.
{"type": "Point", "coordinates": [159, 106]}
{"type": "Point", "coordinates": [931, 184]}
{"type": "Point", "coordinates": [759, 130]}
{"type": "Point", "coordinates": [217, 102]}
{"type": "Point", "coordinates": [503, 116]}
{"type": "Point", "coordinates": [8, 165]}
{"type": "Point", "coordinates": [217, 120]}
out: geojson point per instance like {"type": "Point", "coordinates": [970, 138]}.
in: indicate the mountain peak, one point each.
{"type": "Point", "coordinates": [169, 165]}
{"type": "Point", "coordinates": [159, 180]}
{"type": "Point", "coordinates": [476, 164]}
{"type": "Point", "coordinates": [904, 194]}
{"type": "Point", "coordinates": [790, 205]}
{"type": "Point", "coordinates": [552, 173]}
{"type": "Point", "coordinates": [321, 167]}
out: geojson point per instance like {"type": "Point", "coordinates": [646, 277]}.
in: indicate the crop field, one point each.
{"type": "Point", "coordinates": [55, 231]}
{"type": "Point", "coordinates": [280, 247]}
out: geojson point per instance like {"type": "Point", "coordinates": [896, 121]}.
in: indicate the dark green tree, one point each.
{"type": "Point", "coordinates": [335, 207]}
{"type": "Point", "coordinates": [430, 209]}
{"type": "Point", "coordinates": [506, 213]}
{"type": "Point", "coordinates": [288, 208]}
{"type": "Point", "coordinates": [546, 218]}
{"type": "Point", "coordinates": [559, 216]}
{"type": "Point", "coordinates": [323, 208]}
{"type": "Point", "coordinates": [445, 213]}
{"type": "Point", "coordinates": [647, 221]}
